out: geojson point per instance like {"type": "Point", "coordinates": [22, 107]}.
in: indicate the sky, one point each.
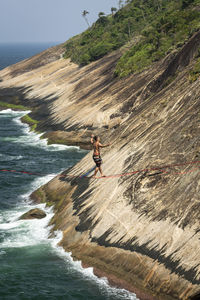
{"type": "Point", "coordinates": [47, 20]}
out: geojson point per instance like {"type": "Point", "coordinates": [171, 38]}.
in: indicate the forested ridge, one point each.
{"type": "Point", "coordinates": [144, 31]}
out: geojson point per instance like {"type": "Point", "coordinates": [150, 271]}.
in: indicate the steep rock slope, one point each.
{"type": "Point", "coordinates": [142, 228]}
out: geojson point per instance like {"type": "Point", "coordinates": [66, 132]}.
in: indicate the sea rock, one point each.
{"type": "Point", "coordinates": [35, 213]}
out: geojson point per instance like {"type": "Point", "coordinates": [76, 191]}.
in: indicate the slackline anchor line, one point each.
{"type": "Point", "coordinates": [159, 170]}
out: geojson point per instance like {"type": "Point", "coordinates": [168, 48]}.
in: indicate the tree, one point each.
{"type": "Point", "coordinates": [101, 14]}
{"type": "Point", "coordinates": [142, 7]}
{"type": "Point", "coordinates": [113, 10]}
{"type": "Point", "coordinates": [129, 26]}
{"type": "Point", "coordinates": [84, 15]}
{"type": "Point", "coordinates": [186, 3]}
{"type": "Point", "coordinates": [158, 4]}
{"type": "Point", "coordinates": [120, 3]}
{"type": "Point", "coordinates": [102, 18]}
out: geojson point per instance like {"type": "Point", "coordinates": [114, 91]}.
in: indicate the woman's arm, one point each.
{"type": "Point", "coordinates": [92, 138]}
{"type": "Point", "coordinates": [103, 146]}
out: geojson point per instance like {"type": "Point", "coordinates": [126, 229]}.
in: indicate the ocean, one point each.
{"type": "Point", "coordinates": [11, 53]}
{"type": "Point", "coordinates": [32, 266]}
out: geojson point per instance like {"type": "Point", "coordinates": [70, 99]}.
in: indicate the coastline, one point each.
{"type": "Point", "coordinates": [112, 279]}
{"type": "Point", "coordinates": [53, 137]}
{"type": "Point", "coordinates": [135, 215]}
{"type": "Point", "coordinates": [120, 283]}
{"type": "Point", "coordinates": [121, 267]}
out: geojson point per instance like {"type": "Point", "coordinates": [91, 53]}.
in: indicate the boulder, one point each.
{"type": "Point", "coordinates": [35, 213]}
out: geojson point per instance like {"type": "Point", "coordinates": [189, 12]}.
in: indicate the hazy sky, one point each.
{"type": "Point", "coordinates": [47, 20]}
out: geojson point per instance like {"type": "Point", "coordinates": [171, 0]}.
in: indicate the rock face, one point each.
{"type": "Point", "coordinates": [142, 227]}
{"type": "Point", "coordinates": [35, 213]}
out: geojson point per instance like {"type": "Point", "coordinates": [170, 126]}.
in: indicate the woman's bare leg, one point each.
{"type": "Point", "coordinates": [95, 172]}
{"type": "Point", "coordinates": [100, 170]}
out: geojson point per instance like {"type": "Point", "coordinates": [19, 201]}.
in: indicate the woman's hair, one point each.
{"type": "Point", "coordinates": [95, 137]}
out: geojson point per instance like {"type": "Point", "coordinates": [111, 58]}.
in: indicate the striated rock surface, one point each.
{"type": "Point", "coordinates": [142, 228]}
{"type": "Point", "coordinates": [34, 213]}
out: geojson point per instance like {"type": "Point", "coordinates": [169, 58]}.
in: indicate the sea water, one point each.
{"type": "Point", "coordinates": [32, 266]}
{"type": "Point", "coordinates": [11, 53]}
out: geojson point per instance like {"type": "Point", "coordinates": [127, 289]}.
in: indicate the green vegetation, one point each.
{"type": "Point", "coordinates": [159, 26]}
{"type": "Point", "coordinates": [12, 106]}
{"type": "Point", "coordinates": [32, 123]}
{"type": "Point", "coordinates": [195, 72]}
{"type": "Point", "coordinates": [84, 15]}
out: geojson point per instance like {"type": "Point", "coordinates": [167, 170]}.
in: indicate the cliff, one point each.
{"type": "Point", "coordinates": [142, 229]}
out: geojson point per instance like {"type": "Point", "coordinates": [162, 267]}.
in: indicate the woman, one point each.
{"type": "Point", "coordinates": [95, 141]}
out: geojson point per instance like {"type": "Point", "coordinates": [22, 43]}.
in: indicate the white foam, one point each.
{"type": "Point", "coordinates": [7, 226]}
{"type": "Point", "coordinates": [88, 272]}
{"type": "Point", "coordinates": [6, 111]}
{"type": "Point", "coordinates": [23, 233]}
{"type": "Point", "coordinates": [30, 137]}
{"type": "Point", "coordinates": [14, 112]}
{"type": "Point", "coordinates": [59, 147]}
{"type": "Point", "coordinates": [2, 252]}
{"type": "Point", "coordinates": [36, 183]}
{"type": "Point", "coordinates": [10, 157]}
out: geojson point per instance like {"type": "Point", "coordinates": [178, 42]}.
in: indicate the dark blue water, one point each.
{"type": "Point", "coordinates": [13, 53]}
{"type": "Point", "coordinates": [31, 265]}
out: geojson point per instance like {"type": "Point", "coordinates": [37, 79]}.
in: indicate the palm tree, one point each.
{"type": "Point", "coordinates": [84, 15]}
{"type": "Point", "coordinates": [113, 9]}
{"type": "Point", "coordinates": [120, 3]}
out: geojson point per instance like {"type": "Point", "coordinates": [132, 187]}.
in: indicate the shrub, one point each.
{"type": "Point", "coordinates": [195, 72]}
{"type": "Point", "coordinates": [99, 50]}
{"type": "Point", "coordinates": [84, 59]}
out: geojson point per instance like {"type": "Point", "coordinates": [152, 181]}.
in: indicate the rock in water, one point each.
{"type": "Point", "coordinates": [35, 213]}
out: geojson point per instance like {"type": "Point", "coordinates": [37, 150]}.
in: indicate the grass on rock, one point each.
{"type": "Point", "coordinates": [195, 72]}
{"type": "Point", "coordinates": [32, 123]}
{"type": "Point", "coordinates": [12, 106]}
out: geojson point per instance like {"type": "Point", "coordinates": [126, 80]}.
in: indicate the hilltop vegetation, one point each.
{"type": "Point", "coordinates": [149, 29]}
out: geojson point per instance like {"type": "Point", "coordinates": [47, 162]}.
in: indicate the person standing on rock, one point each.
{"type": "Point", "coordinates": [95, 141]}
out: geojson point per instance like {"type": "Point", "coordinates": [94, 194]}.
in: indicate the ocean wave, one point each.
{"type": "Point", "coordinates": [6, 111]}
{"type": "Point", "coordinates": [59, 147]}
{"type": "Point", "coordinates": [7, 157]}
{"type": "Point", "coordinates": [26, 233]}
{"type": "Point", "coordinates": [103, 283]}
{"type": "Point", "coordinates": [23, 233]}
{"type": "Point", "coordinates": [29, 137]}
{"type": "Point", "coordinates": [16, 113]}
{"type": "Point", "coordinates": [36, 184]}
{"type": "Point", "coordinates": [6, 226]}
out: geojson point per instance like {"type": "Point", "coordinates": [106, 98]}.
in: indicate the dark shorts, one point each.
{"type": "Point", "coordinates": [97, 159]}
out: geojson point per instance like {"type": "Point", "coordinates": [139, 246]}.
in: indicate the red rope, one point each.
{"type": "Point", "coordinates": [122, 174]}
{"type": "Point", "coordinates": [147, 170]}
